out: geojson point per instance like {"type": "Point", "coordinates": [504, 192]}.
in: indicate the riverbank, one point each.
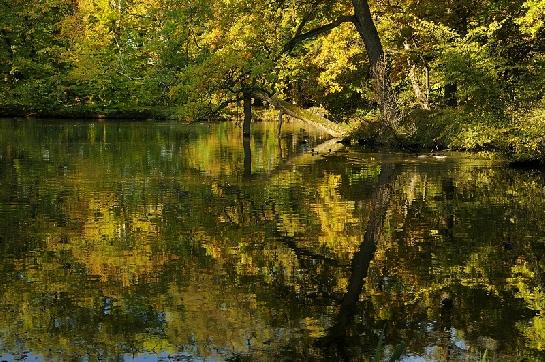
{"type": "Point", "coordinates": [87, 113]}
{"type": "Point", "coordinates": [518, 137]}
{"type": "Point", "coordinates": [521, 141]}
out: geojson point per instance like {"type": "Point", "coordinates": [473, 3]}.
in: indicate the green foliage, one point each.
{"type": "Point", "coordinates": [534, 18]}
{"type": "Point", "coordinates": [526, 142]}
{"type": "Point", "coordinates": [32, 70]}
{"type": "Point", "coordinates": [469, 65]}
{"type": "Point", "coordinates": [483, 75]}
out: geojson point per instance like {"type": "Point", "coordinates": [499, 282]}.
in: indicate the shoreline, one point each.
{"type": "Point", "coordinates": [21, 112]}
{"type": "Point", "coordinates": [353, 139]}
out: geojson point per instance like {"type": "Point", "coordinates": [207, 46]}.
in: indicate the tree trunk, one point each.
{"type": "Point", "coordinates": [365, 26]}
{"type": "Point", "coordinates": [246, 125]}
{"type": "Point", "coordinates": [450, 97]}
{"type": "Point", "coordinates": [364, 23]}
{"type": "Point", "coordinates": [368, 32]}
{"type": "Point", "coordinates": [385, 96]}
{"type": "Point", "coordinates": [280, 122]}
{"type": "Point", "coordinates": [422, 97]}
{"type": "Point", "coordinates": [427, 70]}
{"type": "Point", "coordinates": [7, 76]}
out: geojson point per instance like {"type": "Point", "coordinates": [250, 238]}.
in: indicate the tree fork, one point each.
{"type": "Point", "coordinates": [300, 37]}
{"type": "Point", "coordinates": [365, 26]}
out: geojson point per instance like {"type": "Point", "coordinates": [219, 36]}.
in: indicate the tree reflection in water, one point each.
{"type": "Point", "coordinates": [152, 239]}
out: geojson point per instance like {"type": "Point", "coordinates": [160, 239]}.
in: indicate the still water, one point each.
{"type": "Point", "coordinates": [145, 241]}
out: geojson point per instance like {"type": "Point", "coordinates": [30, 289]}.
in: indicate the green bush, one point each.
{"type": "Point", "coordinates": [526, 143]}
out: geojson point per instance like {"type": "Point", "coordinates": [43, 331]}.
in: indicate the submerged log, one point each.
{"type": "Point", "coordinates": [333, 129]}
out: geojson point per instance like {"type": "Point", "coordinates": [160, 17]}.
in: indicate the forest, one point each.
{"type": "Point", "coordinates": [412, 74]}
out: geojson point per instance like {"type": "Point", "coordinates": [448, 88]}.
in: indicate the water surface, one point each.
{"type": "Point", "coordinates": [145, 241]}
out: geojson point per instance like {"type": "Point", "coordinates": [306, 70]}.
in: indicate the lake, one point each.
{"type": "Point", "coordinates": [163, 241]}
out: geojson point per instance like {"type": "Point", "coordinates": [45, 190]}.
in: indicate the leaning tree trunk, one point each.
{"type": "Point", "coordinates": [379, 69]}
{"type": "Point", "coordinates": [368, 31]}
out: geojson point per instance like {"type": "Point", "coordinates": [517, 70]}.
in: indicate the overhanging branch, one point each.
{"type": "Point", "coordinates": [298, 38]}
{"type": "Point", "coordinates": [220, 107]}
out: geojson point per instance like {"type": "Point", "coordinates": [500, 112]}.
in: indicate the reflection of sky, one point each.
{"type": "Point", "coordinates": [164, 356]}
{"type": "Point", "coordinates": [413, 358]}
{"type": "Point", "coordinates": [456, 340]}
{"type": "Point", "coordinates": [25, 356]}
{"type": "Point", "coordinates": [457, 348]}
{"type": "Point", "coordinates": [141, 357]}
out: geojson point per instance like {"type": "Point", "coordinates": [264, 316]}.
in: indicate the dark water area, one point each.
{"type": "Point", "coordinates": [144, 241]}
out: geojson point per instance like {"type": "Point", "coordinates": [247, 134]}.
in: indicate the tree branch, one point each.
{"type": "Point", "coordinates": [219, 108]}
{"type": "Point", "coordinates": [301, 25]}
{"type": "Point", "coordinates": [298, 38]}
